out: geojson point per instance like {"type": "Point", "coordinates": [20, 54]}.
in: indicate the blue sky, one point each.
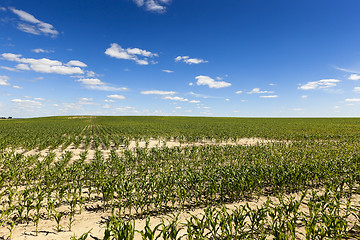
{"type": "Point", "coordinates": [180, 57]}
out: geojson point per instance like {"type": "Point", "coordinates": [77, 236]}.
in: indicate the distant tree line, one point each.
{"type": "Point", "coordinates": [6, 118]}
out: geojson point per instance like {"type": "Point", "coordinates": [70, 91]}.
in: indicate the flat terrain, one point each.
{"type": "Point", "coordinates": [179, 178]}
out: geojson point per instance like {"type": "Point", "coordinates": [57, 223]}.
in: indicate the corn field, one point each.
{"type": "Point", "coordinates": [309, 174]}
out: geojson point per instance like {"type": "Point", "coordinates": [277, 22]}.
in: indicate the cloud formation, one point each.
{"type": "Point", "coordinates": [43, 65]}
{"type": "Point", "coordinates": [176, 98]}
{"type": "Point", "coordinates": [116, 51]}
{"type": "Point", "coordinates": [354, 77]}
{"type": "Point", "coordinates": [352, 100]}
{"type": "Point", "coordinates": [270, 96]}
{"type": "Point", "coordinates": [40, 50]}
{"type": "Point", "coordinates": [97, 84]}
{"type": "Point", "coordinates": [29, 24]}
{"type": "Point", "coordinates": [188, 60]}
{"type": "Point", "coordinates": [321, 84]}
{"type": "Point", "coordinates": [205, 80]}
{"type": "Point", "coordinates": [158, 92]}
{"type": "Point", "coordinates": [115, 96]}
{"type": "Point", "coordinates": [258, 91]}
{"type": "Point", "coordinates": [4, 81]}
{"type": "Point", "coordinates": [158, 6]}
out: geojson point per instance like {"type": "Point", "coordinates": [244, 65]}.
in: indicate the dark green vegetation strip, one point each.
{"type": "Point", "coordinates": [55, 131]}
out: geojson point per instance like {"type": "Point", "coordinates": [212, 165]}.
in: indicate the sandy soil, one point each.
{"type": "Point", "coordinates": [94, 221]}
{"type": "Point", "coordinates": [152, 143]}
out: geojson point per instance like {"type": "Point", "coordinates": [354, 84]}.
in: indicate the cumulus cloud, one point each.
{"type": "Point", "coordinates": [28, 23]}
{"type": "Point", "coordinates": [91, 81]}
{"type": "Point", "coordinates": [176, 98]}
{"type": "Point", "coordinates": [354, 77]}
{"type": "Point", "coordinates": [17, 87]}
{"type": "Point", "coordinates": [321, 84]}
{"type": "Point", "coordinates": [116, 51]}
{"type": "Point", "coordinates": [270, 96]}
{"type": "Point", "coordinates": [76, 63]}
{"type": "Point", "coordinates": [188, 60]}
{"type": "Point", "coordinates": [239, 92]}
{"type": "Point", "coordinates": [167, 71]}
{"type": "Point", "coordinates": [115, 96]}
{"type": "Point", "coordinates": [158, 92]}
{"type": "Point", "coordinates": [258, 91]}
{"type": "Point", "coordinates": [158, 6]}
{"type": "Point", "coordinates": [4, 81]}
{"type": "Point", "coordinates": [205, 80]}
{"type": "Point", "coordinates": [42, 65]}
{"type": "Point", "coordinates": [194, 101]}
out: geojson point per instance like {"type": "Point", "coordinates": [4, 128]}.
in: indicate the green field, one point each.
{"type": "Point", "coordinates": [316, 158]}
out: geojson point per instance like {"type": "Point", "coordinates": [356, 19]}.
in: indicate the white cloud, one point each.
{"type": "Point", "coordinates": [158, 92]}
{"type": "Point", "coordinates": [354, 77]}
{"type": "Point", "coordinates": [177, 107]}
{"type": "Point", "coordinates": [357, 89]}
{"type": "Point", "coordinates": [124, 109]}
{"type": "Point", "coordinates": [32, 25]}
{"type": "Point", "coordinates": [22, 66]}
{"type": "Point", "coordinates": [205, 80]}
{"type": "Point", "coordinates": [42, 65]}
{"type": "Point", "coordinates": [298, 109]}
{"type": "Point", "coordinates": [239, 92]}
{"type": "Point", "coordinates": [167, 71]}
{"type": "Point", "coordinates": [188, 60]}
{"type": "Point", "coordinates": [106, 88]}
{"type": "Point", "coordinates": [191, 84]}
{"type": "Point", "coordinates": [97, 84]}
{"type": "Point", "coordinates": [2, 9]}
{"type": "Point", "coordinates": [227, 99]}
{"type": "Point", "coordinates": [194, 101]}
{"type": "Point", "coordinates": [9, 68]}
{"type": "Point", "coordinates": [27, 103]}
{"type": "Point", "coordinates": [321, 84]}
{"type": "Point", "coordinates": [352, 100]}
{"type": "Point", "coordinates": [258, 91]}
{"type": "Point", "coordinates": [304, 96]}
{"type": "Point", "coordinates": [76, 63]}
{"type": "Point", "coordinates": [346, 70]}
{"type": "Point", "coordinates": [116, 51]}
{"type": "Point", "coordinates": [106, 106]}
{"type": "Point", "coordinates": [39, 99]}
{"type": "Point", "coordinates": [91, 81]}
{"type": "Point", "coordinates": [270, 96]}
{"type": "Point", "coordinates": [86, 99]}
{"type": "Point", "coordinates": [17, 87]}
{"type": "Point", "coordinates": [115, 96]}
{"type": "Point", "coordinates": [176, 98]}
{"type": "Point", "coordinates": [40, 50]}
{"type": "Point", "coordinates": [158, 6]}
{"type": "Point", "coordinates": [109, 100]}
{"type": "Point", "coordinates": [4, 81]}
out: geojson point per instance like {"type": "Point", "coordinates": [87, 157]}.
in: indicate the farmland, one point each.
{"type": "Point", "coordinates": [180, 178]}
